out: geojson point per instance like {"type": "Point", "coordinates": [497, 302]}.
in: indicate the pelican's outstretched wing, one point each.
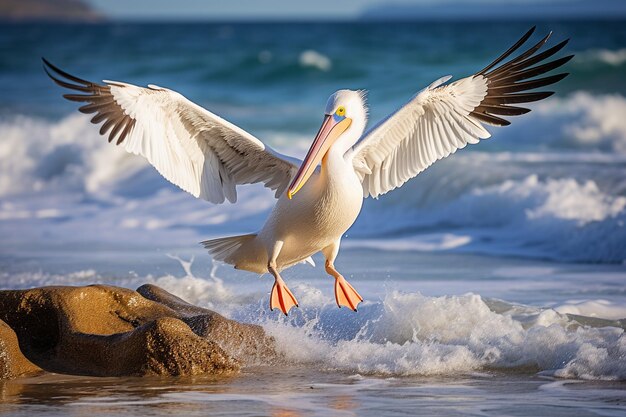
{"type": "Point", "coordinates": [193, 148]}
{"type": "Point", "coordinates": [443, 118]}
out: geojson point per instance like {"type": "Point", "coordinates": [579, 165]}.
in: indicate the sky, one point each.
{"type": "Point", "coordinates": [340, 9]}
{"type": "Point", "coordinates": [285, 9]}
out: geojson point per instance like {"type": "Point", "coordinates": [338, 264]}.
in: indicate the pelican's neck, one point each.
{"type": "Point", "coordinates": [334, 162]}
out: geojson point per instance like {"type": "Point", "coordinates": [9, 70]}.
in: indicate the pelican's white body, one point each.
{"type": "Point", "coordinates": [314, 219]}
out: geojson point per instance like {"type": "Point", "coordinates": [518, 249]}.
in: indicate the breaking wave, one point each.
{"type": "Point", "coordinates": [580, 121]}
{"type": "Point", "coordinates": [616, 57]}
{"type": "Point", "coordinates": [314, 59]}
{"type": "Point", "coordinates": [412, 334]}
{"type": "Point", "coordinates": [407, 333]}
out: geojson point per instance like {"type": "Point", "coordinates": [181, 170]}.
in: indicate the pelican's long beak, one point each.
{"type": "Point", "coordinates": [332, 127]}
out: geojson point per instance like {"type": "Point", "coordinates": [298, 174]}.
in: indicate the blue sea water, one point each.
{"type": "Point", "coordinates": [471, 267]}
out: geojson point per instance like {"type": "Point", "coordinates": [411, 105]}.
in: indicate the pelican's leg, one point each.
{"type": "Point", "coordinates": [345, 294]}
{"type": "Point", "coordinates": [281, 297]}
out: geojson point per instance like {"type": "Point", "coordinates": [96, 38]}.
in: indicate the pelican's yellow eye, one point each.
{"type": "Point", "coordinates": [341, 111]}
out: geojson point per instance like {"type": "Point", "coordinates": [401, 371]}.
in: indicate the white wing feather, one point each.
{"type": "Point", "coordinates": [193, 148]}
{"type": "Point", "coordinates": [432, 125]}
{"type": "Point", "coordinates": [441, 119]}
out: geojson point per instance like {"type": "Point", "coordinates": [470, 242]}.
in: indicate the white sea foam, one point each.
{"type": "Point", "coordinates": [593, 308]}
{"type": "Point", "coordinates": [68, 154]}
{"type": "Point", "coordinates": [615, 57]}
{"type": "Point", "coordinates": [552, 218]}
{"type": "Point", "coordinates": [578, 121]}
{"type": "Point", "coordinates": [314, 59]}
{"type": "Point", "coordinates": [534, 201]}
{"type": "Point", "coordinates": [411, 334]}
{"type": "Point", "coordinates": [423, 242]}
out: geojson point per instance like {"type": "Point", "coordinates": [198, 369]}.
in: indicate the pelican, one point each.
{"type": "Point", "coordinates": [320, 197]}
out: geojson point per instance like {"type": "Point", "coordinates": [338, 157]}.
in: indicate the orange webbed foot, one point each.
{"type": "Point", "coordinates": [281, 297]}
{"type": "Point", "coordinates": [345, 294]}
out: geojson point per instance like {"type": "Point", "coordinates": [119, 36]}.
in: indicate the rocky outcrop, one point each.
{"type": "Point", "coordinates": [244, 341]}
{"type": "Point", "coordinates": [13, 363]}
{"type": "Point", "coordinates": [109, 331]}
{"type": "Point", "coordinates": [48, 11]}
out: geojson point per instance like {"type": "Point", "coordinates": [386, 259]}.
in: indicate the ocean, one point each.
{"type": "Point", "coordinates": [494, 282]}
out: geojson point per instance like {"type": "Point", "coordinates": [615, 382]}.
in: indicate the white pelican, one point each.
{"type": "Point", "coordinates": [208, 157]}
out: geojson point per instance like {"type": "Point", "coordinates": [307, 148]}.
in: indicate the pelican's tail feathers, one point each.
{"type": "Point", "coordinates": [223, 248]}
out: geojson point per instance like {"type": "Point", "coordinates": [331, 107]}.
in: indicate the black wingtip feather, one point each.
{"type": "Point", "coordinates": [509, 51]}
{"type": "Point", "coordinates": [77, 97]}
{"type": "Point", "coordinates": [64, 74]}
{"type": "Point", "coordinates": [524, 74]}
{"type": "Point", "coordinates": [518, 98]}
{"type": "Point", "coordinates": [544, 55]}
{"type": "Point", "coordinates": [491, 119]}
{"type": "Point", "coordinates": [517, 75]}
{"type": "Point", "coordinates": [524, 59]}
{"type": "Point", "coordinates": [98, 100]}
{"type": "Point", "coordinates": [502, 110]}
{"type": "Point", "coordinates": [527, 85]}
{"type": "Point", "coordinates": [129, 127]}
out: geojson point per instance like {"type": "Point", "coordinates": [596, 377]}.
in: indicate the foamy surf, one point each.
{"type": "Point", "coordinates": [411, 334]}
{"type": "Point", "coordinates": [405, 333]}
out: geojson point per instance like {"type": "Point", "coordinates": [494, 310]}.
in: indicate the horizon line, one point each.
{"type": "Point", "coordinates": [321, 19]}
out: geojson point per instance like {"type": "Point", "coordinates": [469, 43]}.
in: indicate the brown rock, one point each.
{"type": "Point", "coordinates": [48, 11]}
{"type": "Point", "coordinates": [110, 331]}
{"type": "Point", "coordinates": [12, 362]}
{"type": "Point", "coordinates": [247, 342]}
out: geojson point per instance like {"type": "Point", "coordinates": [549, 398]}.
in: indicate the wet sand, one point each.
{"type": "Point", "coordinates": [305, 391]}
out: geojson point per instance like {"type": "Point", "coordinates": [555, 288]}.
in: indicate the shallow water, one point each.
{"type": "Point", "coordinates": [291, 392]}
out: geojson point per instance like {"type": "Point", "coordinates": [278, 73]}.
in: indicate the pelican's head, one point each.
{"type": "Point", "coordinates": [345, 118]}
